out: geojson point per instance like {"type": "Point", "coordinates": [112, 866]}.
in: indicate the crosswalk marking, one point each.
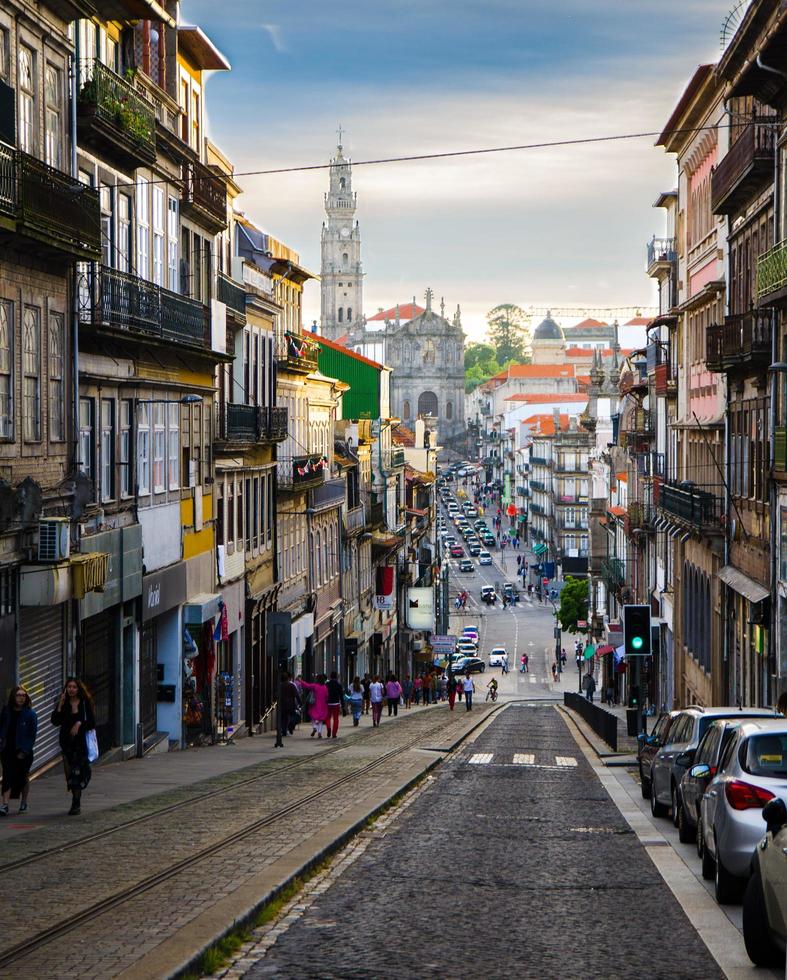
{"type": "Point", "coordinates": [524, 759]}
{"type": "Point", "coordinates": [481, 758]}
{"type": "Point", "coordinates": [533, 680]}
{"type": "Point", "coordinates": [565, 760]}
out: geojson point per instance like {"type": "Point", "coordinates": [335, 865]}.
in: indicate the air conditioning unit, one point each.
{"type": "Point", "coordinates": [54, 539]}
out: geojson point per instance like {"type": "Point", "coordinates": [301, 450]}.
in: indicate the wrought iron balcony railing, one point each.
{"type": "Point", "coordinates": [742, 341]}
{"type": "Point", "coordinates": [119, 301]}
{"type": "Point", "coordinates": [331, 493]}
{"type": "Point", "coordinates": [699, 508]}
{"type": "Point", "coordinates": [49, 207]}
{"type": "Point", "coordinates": [302, 472]}
{"type": "Point", "coordinates": [296, 353]}
{"type": "Point", "coordinates": [204, 196]}
{"type": "Point", "coordinates": [747, 164]}
{"type": "Point", "coordinates": [354, 519]}
{"type": "Point", "coordinates": [772, 271]}
{"type": "Point", "coordinates": [395, 459]}
{"type": "Point", "coordinates": [538, 485]}
{"type": "Point", "coordinates": [232, 294]}
{"type": "Point", "coordinates": [540, 461]}
{"type": "Point", "coordinates": [538, 509]}
{"type": "Point", "coordinates": [661, 250]}
{"type": "Point", "coordinates": [613, 573]}
{"type": "Point", "coordinates": [252, 424]}
{"type": "Point", "coordinates": [114, 116]}
{"type": "Point", "coordinates": [276, 419]}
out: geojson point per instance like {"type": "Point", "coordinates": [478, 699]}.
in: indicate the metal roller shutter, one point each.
{"type": "Point", "coordinates": [41, 658]}
{"type": "Point", "coordinates": [97, 670]}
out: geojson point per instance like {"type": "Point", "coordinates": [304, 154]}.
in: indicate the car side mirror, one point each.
{"type": "Point", "coordinates": [685, 759]}
{"type": "Point", "coordinates": [774, 814]}
{"type": "Point", "coordinates": [701, 771]}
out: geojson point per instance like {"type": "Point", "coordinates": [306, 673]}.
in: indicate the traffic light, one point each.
{"type": "Point", "coordinates": [636, 631]}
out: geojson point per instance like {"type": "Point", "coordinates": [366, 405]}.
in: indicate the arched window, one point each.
{"type": "Point", "coordinates": [317, 557]}
{"type": "Point", "coordinates": [341, 314]}
{"type": "Point", "coordinates": [427, 403]}
{"type": "Point", "coordinates": [345, 258]}
{"type": "Point", "coordinates": [342, 183]}
{"type": "Point", "coordinates": [449, 410]}
{"type": "Point", "coordinates": [406, 409]}
{"type": "Point", "coordinates": [349, 314]}
{"type": "Point", "coordinates": [325, 564]}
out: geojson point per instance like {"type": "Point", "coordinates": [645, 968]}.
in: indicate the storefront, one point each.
{"type": "Point", "coordinates": [231, 690]}
{"type": "Point", "coordinates": [207, 655]}
{"type": "Point", "coordinates": [258, 675]}
{"type": "Point", "coordinates": [161, 649]}
{"type": "Point", "coordinates": [42, 645]}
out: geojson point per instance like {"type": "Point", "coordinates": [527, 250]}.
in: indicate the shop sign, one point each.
{"type": "Point", "coordinates": [164, 590]}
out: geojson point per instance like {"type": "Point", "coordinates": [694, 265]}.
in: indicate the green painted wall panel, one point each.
{"type": "Point", "coordinates": [362, 401]}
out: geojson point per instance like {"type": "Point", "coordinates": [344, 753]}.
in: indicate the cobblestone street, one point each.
{"type": "Point", "coordinates": [512, 862]}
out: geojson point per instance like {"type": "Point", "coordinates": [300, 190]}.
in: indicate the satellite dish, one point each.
{"type": "Point", "coordinates": [732, 22]}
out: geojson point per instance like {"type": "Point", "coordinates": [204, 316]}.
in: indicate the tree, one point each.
{"type": "Point", "coordinates": [478, 353]}
{"type": "Point", "coordinates": [574, 598]}
{"type": "Point", "coordinates": [509, 333]}
{"type": "Point", "coordinates": [480, 365]}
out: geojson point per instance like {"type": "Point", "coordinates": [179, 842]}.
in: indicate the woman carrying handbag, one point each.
{"type": "Point", "coordinates": [76, 717]}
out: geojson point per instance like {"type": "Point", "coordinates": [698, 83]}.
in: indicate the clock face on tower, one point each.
{"type": "Point", "coordinates": [345, 232]}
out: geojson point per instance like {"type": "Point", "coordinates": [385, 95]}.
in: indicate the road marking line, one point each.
{"type": "Point", "coordinates": [480, 758]}
{"type": "Point", "coordinates": [565, 760]}
{"type": "Point", "coordinates": [524, 759]}
{"type": "Point", "coordinates": [533, 679]}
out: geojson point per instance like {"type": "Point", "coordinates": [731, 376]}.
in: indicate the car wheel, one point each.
{"type": "Point", "coordinates": [700, 844]}
{"type": "Point", "coordinates": [675, 806]}
{"type": "Point", "coordinates": [482, 668]}
{"type": "Point", "coordinates": [759, 945]}
{"type": "Point", "coordinates": [708, 864]}
{"type": "Point", "coordinates": [686, 832]}
{"type": "Point", "coordinates": [656, 808]}
{"type": "Point", "coordinates": [644, 784]}
{"type": "Point", "coordinates": [728, 887]}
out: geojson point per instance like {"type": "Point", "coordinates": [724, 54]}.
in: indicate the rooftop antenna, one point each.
{"type": "Point", "coordinates": [731, 23]}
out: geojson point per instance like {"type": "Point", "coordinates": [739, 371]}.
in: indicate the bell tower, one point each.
{"type": "Point", "coordinates": [341, 271]}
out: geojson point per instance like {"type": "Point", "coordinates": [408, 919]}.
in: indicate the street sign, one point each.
{"type": "Point", "coordinates": [443, 644]}
{"type": "Point", "coordinates": [582, 624]}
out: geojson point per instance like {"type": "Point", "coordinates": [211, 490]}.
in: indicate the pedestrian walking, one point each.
{"type": "Point", "coordinates": [781, 704]}
{"type": "Point", "coordinates": [407, 691]}
{"type": "Point", "coordinates": [442, 686]}
{"type": "Point", "coordinates": [18, 730]}
{"type": "Point", "coordinates": [451, 691]}
{"type": "Point", "coordinates": [289, 708]}
{"type": "Point", "coordinates": [589, 685]}
{"type": "Point", "coordinates": [611, 696]}
{"type": "Point", "coordinates": [355, 697]}
{"type": "Point", "coordinates": [367, 701]}
{"type": "Point", "coordinates": [468, 687]}
{"type": "Point", "coordinates": [318, 703]}
{"type": "Point", "coordinates": [376, 692]}
{"type": "Point", "coordinates": [563, 656]}
{"type": "Point", "coordinates": [393, 691]}
{"type": "Point", "coordinates": [505, 663]}
{"type": "Point", "coordinates": [335, 703]}
{"type": "Point", "coordinates": [418, 683]}
{"type": "Point", "coordinates": [554, 672]}
{"type": "Point", "coordinates": [435, 692]}
{"type": "Point", "coordinates": [75, 715]}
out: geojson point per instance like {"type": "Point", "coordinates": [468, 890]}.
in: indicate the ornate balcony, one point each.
{"type": "Point", "coordinates": [302, 472]}
{"type": "Point", "coordinates": [354, 520]}
{"type": "Point", "coordinates": [694, 507]}
{"type": "Point", "coordinates": [665, 385]}
{"type": "Point", "coordinates": [772, 272]}
{"type": "Point", "coordinates": [251, 424]}
{"type": "Point", "coordinates": [747, 165]}
{"type": "Point", "coordinates": [204, 197]}
{"type": "Point", "coordinates": [45, 209]}
{"type": "Point", "coordinates": [276, 423]}
{"type": "Point", "coordinates": [328, 495]}
{"type": "Point", "coordinates": [233, 295]}
{"type": "Point", "coordinates": [295, 353]}
{"type": "Point", "coordinates": [116, 300]}
{"type": "Point", "coordinates": [662, 255]}
{"type": "Point", "coordinates": [613, 573]}
{"type": "Point", "coordinates": [113, 117]}
{"type": "Point", "coordinates": [540, 461]}
{"type": "Point", "coordinates": [742, 341]}
{"type": "Point", "coordinates": [538, 485]}
{"type": "Point", "coordinates": [395, 459]}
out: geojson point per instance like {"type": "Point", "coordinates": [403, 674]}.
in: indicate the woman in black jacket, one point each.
{"type": "Point", "coordinates": [18, 729]}
{"type": "Point", "coordinates": [75, 715]}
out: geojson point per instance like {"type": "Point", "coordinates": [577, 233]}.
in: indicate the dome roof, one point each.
{"type": "Point", "coordinates": [548, 330]}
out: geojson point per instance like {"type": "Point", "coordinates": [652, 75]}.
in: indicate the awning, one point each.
{"type": "Point", "coordinates": [539, 549]}
{"type": "Point", "coordinates": [604, 650]}
{"type": "Point", "coordinates": [742, 584]}
{"type": "Point", "coordinates": [201, 608]}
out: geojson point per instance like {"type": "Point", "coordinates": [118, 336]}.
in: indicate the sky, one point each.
{"type": "Point", "coordinates": [557, 227]}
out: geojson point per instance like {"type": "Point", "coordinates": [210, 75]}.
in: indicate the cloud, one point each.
{"type": "Point", "coordinates": [276, 36]}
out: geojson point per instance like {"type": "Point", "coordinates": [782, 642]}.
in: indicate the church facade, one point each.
{"type": "Point", "coordinates": [424, 349]}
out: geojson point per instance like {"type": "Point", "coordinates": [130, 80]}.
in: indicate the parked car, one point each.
{"type": "Point", "coordinates": [457, 551]}
{"type": "Point", "coordinates": [647, 748]}
{"type": "Point", "coordinates": [496, 655]}
{"type": "Point", "coordinates": [474, 664]}
{"type": "Point", "coordinates": [484, 558]}
{"type": "Point", "coordinates": [677, 753]}
{"type": "Point", "coordinates": [752, 772]}
{"type": "Point", "coordinates": [466, 565]}
{"type": "Point", "coordinates": [695, 780]}
{"type": "Point", "coordinates": [765, 899]}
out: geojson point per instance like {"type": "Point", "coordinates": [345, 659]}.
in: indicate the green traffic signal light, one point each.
{"type": "Point", "coordinates": [636, 642]}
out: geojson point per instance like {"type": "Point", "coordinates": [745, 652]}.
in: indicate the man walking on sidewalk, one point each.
{"type": "Point", "coordinates": [335, 698]}
{"type": "Point", "coordinates": [468, 687]}
{"type": "Point", "coordinates": [589, 685]}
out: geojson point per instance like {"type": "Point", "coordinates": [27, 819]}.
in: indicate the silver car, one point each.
{"type": "Point", "coordinates": [765, 901]}
{"type": "Point", "coordinates": [752, 771]}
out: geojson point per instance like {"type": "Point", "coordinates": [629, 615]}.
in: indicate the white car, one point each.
{"type": "Point", "coordinates": [471, 638]}
{"type": "Point", "coordinates": [484, 558]}
{"type": "Point", "coordinates": [467, 649]}
{"type": "Point", "coordinates": [496, 656]}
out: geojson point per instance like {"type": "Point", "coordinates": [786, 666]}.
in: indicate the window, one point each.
{"type": "Point", "coordinates": [248, 514]}
{"type": "Point", "coordinates": [173, 446]}
{"type": "Point", "coordinates": [4, 54]}
{"type": "Point", "coordinates": [31, 347]}
{"type": "Point", "coordinates": [125, 447]}
{"type": "Point", "coordinates": [107, 251]}
{"type": "Point", "coordinates": [158, 236]}
{"type": "Point", "coordinates": [449, 410]}
{"type": "Point", "coordinates": [124, 245]}
{"type": "Point", "coordinates": [239, 511]}
{"type": "Point", "coordinates": [255, 530]}
{"type": "Point", "coordinates": [57, 421]}
{"type": "Point", "coordinates": [195, 137]}
{"type": "Point", "coordinates": [349, 314]}
{"type": "Point", "coordinates": [53, 94]}
{"type": "Point", "coordinates": [406, 409]}
{"type": "Point", "coordinates": [143, 450]}
{"type": "Point", "coordinates": [86, 444]}
{"type": "Point", "coordinates": [6, 369]}
{"type": "Point", "coordinates": [344, 260]}
{"type": "Point", "coordinates": [159, 446]}
{"type": "Point", "coordinates": [196, 268]}
{"type": "Point", "coordinates": [230, 523]}
{"type": "Point", "coordinates": [107, 448]}
{"type": "Point", "coordinates": [26, 84]}
{"type": "Point", "coordinates": [143, 229]}
{"type": "Point", "coordinates": [341, 314]}
{"type": "Point", "coordinates": [172, 243]}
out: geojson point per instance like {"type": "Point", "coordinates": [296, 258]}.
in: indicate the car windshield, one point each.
{"type": "Point", "coordinates": [766, 755]}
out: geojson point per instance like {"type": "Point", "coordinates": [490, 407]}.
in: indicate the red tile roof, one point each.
{"type": "Point", "coordinates": [638, 321]}
{"type": "Point", "coordinates": [572, 396]}
{"type": "Point", "coordinates": [624, 477]}
{"type": "Point", "coordinates": [407, 311]}
{"type": "Point", "coordinates": [346, 350]}
{"type": "Point", "coordinates": [535, 371]}
{"type": "Point", "coordinates": [617, 511]}
{"type": "Point", "coordinates": [403, 436]}
{"type": "Point", "coordinates": [589, 324]}
{"type": "Point", "coordinates": [545, 424]}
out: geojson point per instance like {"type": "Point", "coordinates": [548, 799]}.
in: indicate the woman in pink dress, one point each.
{"type": "Point", "coordinates": [318, 711]}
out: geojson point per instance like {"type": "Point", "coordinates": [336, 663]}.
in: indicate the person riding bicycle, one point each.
{"type": "Point", "coordinates": [492, 690]}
